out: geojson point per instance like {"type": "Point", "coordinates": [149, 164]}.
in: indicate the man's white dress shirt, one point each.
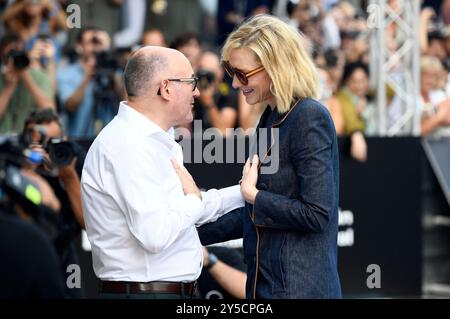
{"type": "Point", "coordinates": [139, 222]}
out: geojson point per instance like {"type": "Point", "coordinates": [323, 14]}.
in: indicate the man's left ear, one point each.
{"type": "Point", "coordinates": [163, 90]}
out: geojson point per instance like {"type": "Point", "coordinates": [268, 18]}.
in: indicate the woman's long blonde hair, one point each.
{"type": "Point", "coordinates": [282, 51]}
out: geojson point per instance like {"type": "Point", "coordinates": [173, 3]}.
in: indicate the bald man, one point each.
{"type": "Point", "coordinates": [141, 206]}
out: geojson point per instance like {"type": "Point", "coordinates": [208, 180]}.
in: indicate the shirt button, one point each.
{"type": "Point", "coordinates": [268, 221]}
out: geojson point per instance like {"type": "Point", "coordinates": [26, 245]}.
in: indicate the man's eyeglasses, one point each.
{"type": "Point", "coordinates": [242, 76]}
{"type": "Point", "coordinates": [193, 81]}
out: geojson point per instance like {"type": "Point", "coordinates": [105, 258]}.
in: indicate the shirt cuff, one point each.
{"type": "Point", "coordinates": [232, 198]}
{"type": "Point", "coordinates": [217, 203]}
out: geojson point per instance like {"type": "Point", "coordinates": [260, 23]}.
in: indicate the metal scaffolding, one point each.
{"type": "Point", "coordinates": [399, 70]}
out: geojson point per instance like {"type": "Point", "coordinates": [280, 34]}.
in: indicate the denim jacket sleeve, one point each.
{"type": "Point", "coordinates": [311, 146]}
{"type": "Point", "coordinates": [227, 227]}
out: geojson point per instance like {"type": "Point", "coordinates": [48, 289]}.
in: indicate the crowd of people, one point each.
{"type": "Point", "coordinates": [77, 72]}
{"type": "Point", "coordinates": [47, 64]}
{"type": "Point", "coordinates": [65, 83]}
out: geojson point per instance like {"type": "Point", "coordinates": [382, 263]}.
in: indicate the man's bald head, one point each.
{"type": "Point", "coordinates": [147, 65]}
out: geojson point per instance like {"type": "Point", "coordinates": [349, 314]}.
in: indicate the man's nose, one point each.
{"type": "Point", "coordinates": [196, 93]}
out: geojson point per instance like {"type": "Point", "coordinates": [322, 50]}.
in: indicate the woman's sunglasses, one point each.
{"type": "Point", "coordinates": [241, 76]}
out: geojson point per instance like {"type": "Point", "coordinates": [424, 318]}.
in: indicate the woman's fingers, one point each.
{"type": "Point", "coordinates": [246, 167]}
{"type": "Point", "coordinates": [255, 162]}
{"type": "Point", "coordinates": [251, 165]}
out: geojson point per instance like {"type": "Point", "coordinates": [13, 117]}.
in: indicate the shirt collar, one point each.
{"type": "Point", "coordinates": [142, 123]}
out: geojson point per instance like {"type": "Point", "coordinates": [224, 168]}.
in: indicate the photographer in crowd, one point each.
{"type": "Point", "coordinates": [24, 84]}
{"type": "Point", "coordinates": [62, 170]}
{"type": "Point", "coordinates": [89, 88]}
{"type": "Point", "coordinates": [29, 267]}
{"type": "Point", "coordinates": [217, 104]}
{"type": "Point", "coordinates": [30, 19]}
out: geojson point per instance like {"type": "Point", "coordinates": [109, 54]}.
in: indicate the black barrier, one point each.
{"type": "Point", "coordinates": [380, 218]}
{"type": "Point", "coordinates": [381, 200]}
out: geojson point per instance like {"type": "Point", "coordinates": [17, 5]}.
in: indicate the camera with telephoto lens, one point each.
{"type": "Point", "coordinates": [20, 59]}
{"type": "Point", "coordinates": [205, 78]}
{"type": "Point", "coordinates": [106, 62]}
{"type": "Point", "coordinates": [61, 152]}
{"type": "Point", "coordinates": [105, 69]}
{"type": "Point", "coordinates": [19, 191]}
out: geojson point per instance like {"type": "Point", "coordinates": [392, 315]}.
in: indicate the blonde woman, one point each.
{"type": "Point", "coordinates": [290, 220]}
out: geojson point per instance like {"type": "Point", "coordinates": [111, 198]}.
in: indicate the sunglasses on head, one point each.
{"type": "Point", "coordinates": [241, 76]}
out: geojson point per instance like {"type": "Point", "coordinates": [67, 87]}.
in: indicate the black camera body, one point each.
{"type": "Point", "coordinates": [105, 69]}
{"type": "Point", "coordinates": [13, 155]}
{"type": "Point", "coordinates": [61, 152]}
{"type": "Point", "coordinates": [20, 59]}
{"type": "Point", "coordinates": [205, 78]}
{"type": "Point", "coordinates": [106, 60]}
{"type": "Point", "coordinates": [18, 189]}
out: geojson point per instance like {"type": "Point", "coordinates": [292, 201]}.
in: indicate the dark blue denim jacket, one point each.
{"type": "Point", "coordinates": [290, 234]}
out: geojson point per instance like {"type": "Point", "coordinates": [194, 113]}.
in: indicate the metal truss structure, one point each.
{"type": "Point", "coordinates": [399, 69]}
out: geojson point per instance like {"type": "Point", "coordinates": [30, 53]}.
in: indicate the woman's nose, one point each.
{"type": "Point", "coordinates": [236, 83]}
